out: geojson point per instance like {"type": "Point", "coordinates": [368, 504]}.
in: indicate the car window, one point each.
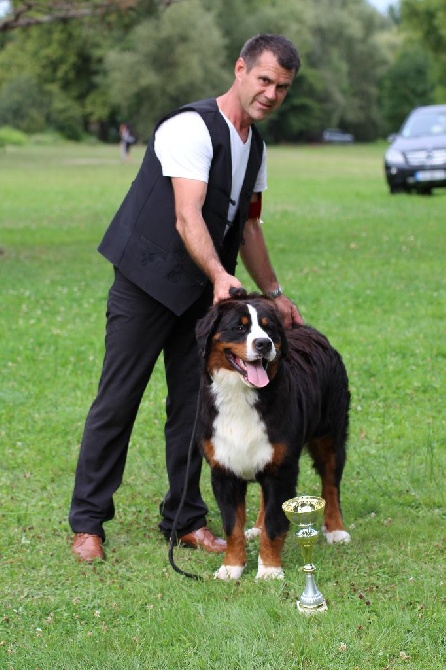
{"type": "Point", "coordinates": [425, 124]}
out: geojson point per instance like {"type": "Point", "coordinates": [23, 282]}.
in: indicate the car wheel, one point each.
{"type": "Point", "coordinates": [427, 190]}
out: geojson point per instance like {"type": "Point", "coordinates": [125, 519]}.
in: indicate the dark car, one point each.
{"type": "Point", "coordinates": [336, 136]}
{"type": "Point", "coordinates": [416, 159]}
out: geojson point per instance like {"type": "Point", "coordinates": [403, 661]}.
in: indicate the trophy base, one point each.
{"type": "Point", "coordinates": [312, 609]}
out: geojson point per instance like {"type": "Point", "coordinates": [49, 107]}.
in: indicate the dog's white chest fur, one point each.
{"type": "Point", "coordinates": [240, 439]}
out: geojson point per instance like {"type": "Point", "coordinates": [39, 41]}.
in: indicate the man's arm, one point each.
{"type": "Point", "coordinates": [255, 258]}
{"type": "Point", "coordinates": [189, 199]}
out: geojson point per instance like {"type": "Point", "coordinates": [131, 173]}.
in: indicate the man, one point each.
{"type": "Point", "coordinates": [193, 206]}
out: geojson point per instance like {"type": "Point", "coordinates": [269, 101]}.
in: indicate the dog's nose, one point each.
{"type": "Point", "coordinates": [263, 345]}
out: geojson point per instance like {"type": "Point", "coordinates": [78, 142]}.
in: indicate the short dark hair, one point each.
{"type": "Point", "coordinates": [282, 48]}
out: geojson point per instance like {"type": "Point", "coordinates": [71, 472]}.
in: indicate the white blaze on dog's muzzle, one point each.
{"type": "Point", "coordinates": [259, 348]}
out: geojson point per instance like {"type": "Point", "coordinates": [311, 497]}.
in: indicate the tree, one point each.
{"type": "Point", "coordinates": [138, 59]}
{"type": "Point", "coordinates": [348, 54]}
{"type": "Point", "coordinates": [23, 105]}
{"type": "Point", "coordinates": [426, 21]}
{"type": "Point", "coordinates": [408, 84]}
{"type": "Point", "coordinates": [65, 59]}
{"type": "Point", "coordinates": [164, 64]}
{"type": "Point", "coordinates": [30, 13]}
{"type": "Point", "coordinates": [60, 59]}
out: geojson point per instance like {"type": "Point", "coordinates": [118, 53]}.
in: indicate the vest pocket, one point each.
{"type": "Point", "coordinates": [151, 251]}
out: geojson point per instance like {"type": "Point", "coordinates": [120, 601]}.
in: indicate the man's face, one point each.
{"type": "Point", "coordinates": [263, 88]}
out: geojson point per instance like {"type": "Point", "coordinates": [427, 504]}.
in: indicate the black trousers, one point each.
{"type": "Point", "coordinates": [138, 329]}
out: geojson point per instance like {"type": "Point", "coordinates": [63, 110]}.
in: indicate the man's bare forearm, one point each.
{"type": "Point", "coordinates": [255, 257]}
{"type": "Point", "coordinates": [198, 242]}
{"type": "Point", "coordinates": [256, 260]}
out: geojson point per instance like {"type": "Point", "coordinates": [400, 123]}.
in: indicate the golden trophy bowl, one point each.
{"type": "Point", "coordinates": [304, 512]}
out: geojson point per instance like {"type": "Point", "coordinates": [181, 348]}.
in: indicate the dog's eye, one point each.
{"type": "Point", "coordinates": [240, 328]}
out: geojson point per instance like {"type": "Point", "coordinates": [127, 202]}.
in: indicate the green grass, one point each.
{"type": "Point", "coordinates": [366, 268]}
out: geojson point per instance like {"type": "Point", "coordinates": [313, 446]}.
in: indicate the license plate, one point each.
{"type": "Point", "coordinates": [430, 175]}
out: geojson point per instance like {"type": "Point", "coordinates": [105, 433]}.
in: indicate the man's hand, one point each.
{"type": "Point", "coordinates": [223, 282]}
{"type": "Point", "coordinates": [289, 311]}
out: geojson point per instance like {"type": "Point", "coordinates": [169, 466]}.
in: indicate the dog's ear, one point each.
{"type": "Point", "coordinates": [205, 329]}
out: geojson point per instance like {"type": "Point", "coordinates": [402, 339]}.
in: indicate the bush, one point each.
{"type": "Point", "coordinates": [27, 106]}
{"type": "Point", "coordinates": [12, 136]}
{"type": "Point", "coordinates": [23, 105]}
{"type": "Point", "coordinates": [49, 138]}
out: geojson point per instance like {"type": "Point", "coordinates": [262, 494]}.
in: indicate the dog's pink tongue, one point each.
{"type": "Point", "coordinates": [256, 374]}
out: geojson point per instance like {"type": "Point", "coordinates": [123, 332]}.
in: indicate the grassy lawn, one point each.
{"type": "Point", "coordinates": [364, 267]}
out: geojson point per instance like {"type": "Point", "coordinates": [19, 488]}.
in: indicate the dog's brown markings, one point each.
{"type": "Point", "coordinates": [271, 550]}
{"type": "Point", "coordinates": [239, 349]}
{"type": "Point", "coordinates": [236, 542]}
{"type": "Point", "coordinates": [264, 321]}
{"type": "Point", "coordinates": [209, 453]}
{"type": "Point", "coordinates": [217, 359]}
{"type": "Point", "coordinates": [279, 452]}
{"type": "Point", "coordinates": [245, 320]}
{"type": "Point", "coordinates": [324, 457]}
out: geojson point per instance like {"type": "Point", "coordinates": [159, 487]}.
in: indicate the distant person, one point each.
{"type": "Point", "coordinates": [127, 139]}
{"type": "Point", "coordinates": [194, 204]}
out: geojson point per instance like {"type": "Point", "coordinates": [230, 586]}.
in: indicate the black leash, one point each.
{"type": "Point", "coordinates": [173, 536]}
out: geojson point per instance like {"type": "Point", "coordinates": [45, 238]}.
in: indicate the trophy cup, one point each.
{"type": "Point", "coordinates": [304, 511]}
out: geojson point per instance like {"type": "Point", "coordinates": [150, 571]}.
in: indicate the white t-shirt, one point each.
{"type": "Point", "coordinates": [184, 148]}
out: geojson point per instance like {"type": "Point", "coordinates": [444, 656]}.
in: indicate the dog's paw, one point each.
{"type": "Point", "coordinates": [252, 533]}
{"type": "Point", "coordinates": [336, 536]}
{"type": "Point", "coordinates": [270, 573]}
{"type": "Point", "coordinates": [227, 572]}
{"type": "Point", "coordinates": [265, 572]}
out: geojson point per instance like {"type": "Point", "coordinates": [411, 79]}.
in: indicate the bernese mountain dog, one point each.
{"type": "Point", "coordinates": [266, 393]}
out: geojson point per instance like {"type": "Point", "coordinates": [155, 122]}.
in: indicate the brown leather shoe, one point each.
{"type": "Point", "coordinates": [88, 547]}
{"type": "Point", "coordinates": [204, 538]}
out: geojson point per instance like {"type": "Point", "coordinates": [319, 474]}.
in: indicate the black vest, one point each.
{"type": "Point", "coordinates": [142, 240]}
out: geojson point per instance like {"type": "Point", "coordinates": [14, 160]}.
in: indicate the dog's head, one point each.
{"type": "Point", "coordinates": [245, 335]}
